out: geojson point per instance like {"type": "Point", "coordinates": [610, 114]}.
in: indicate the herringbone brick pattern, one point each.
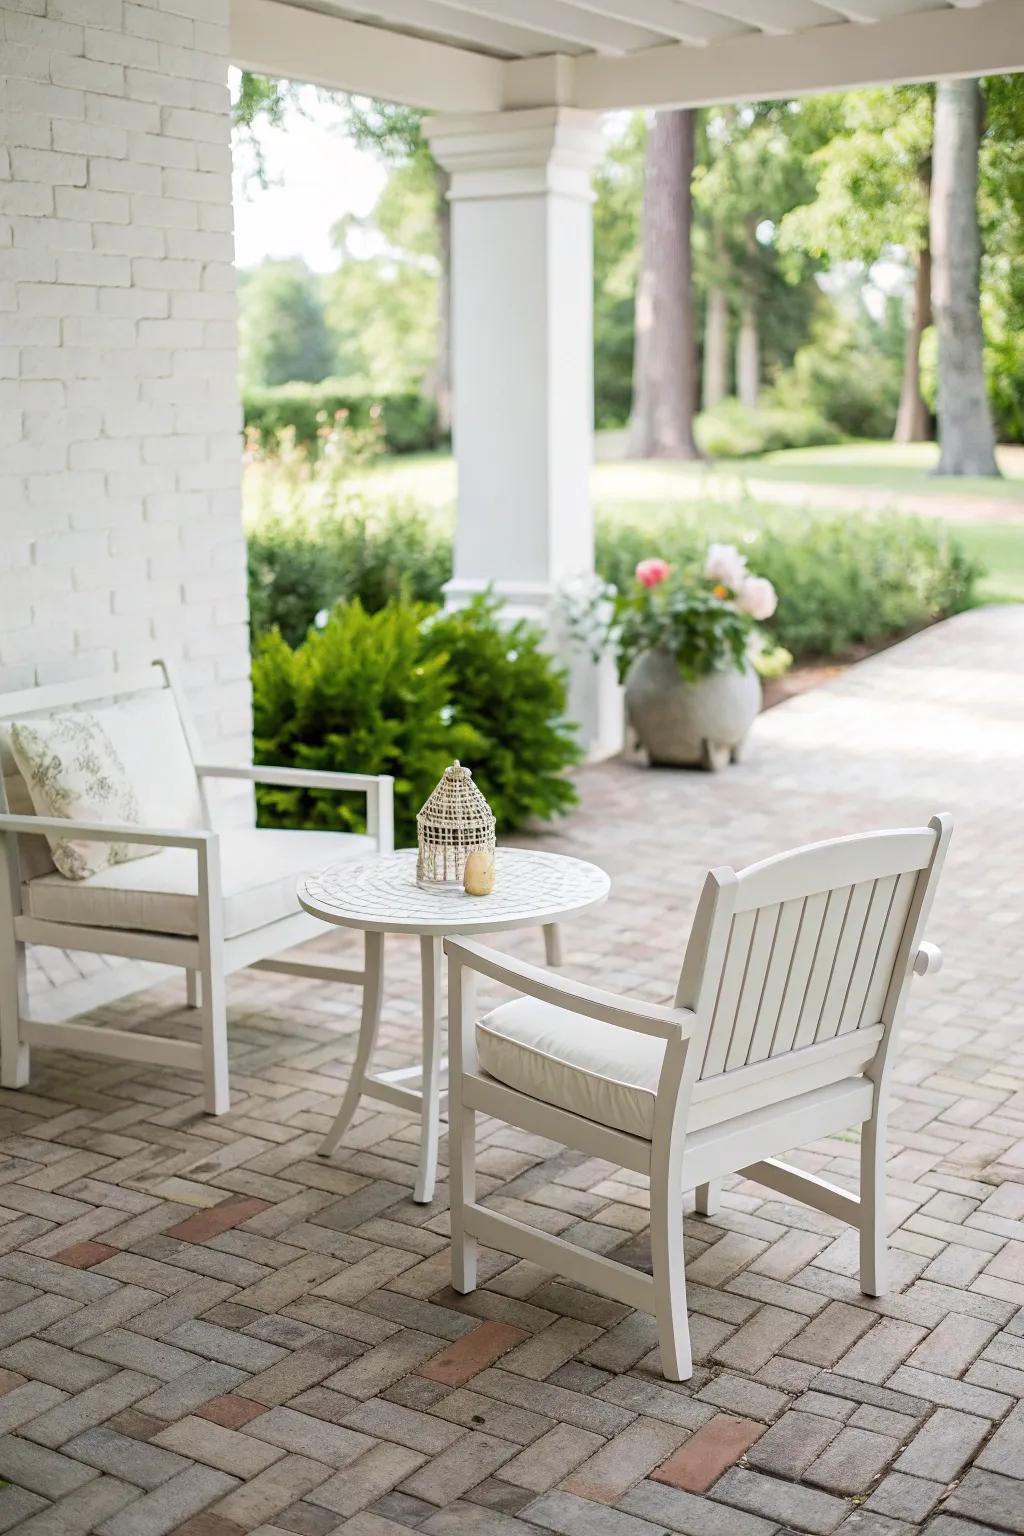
{"type": "Point", "coordinates": [205, 1330]}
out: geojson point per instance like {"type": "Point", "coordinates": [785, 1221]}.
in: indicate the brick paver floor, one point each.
{"type": "Point", "coordinates": [206, 1330]}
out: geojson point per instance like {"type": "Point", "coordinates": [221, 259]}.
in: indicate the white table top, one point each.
{"type": "Point", "coordinates": [381, 894]}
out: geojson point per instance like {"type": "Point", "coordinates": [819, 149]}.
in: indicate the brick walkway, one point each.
{"type": "Point", "coordinates": [205, 1330]}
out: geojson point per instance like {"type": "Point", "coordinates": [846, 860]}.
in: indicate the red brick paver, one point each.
{"type": "Point", "coordinates": [459, 1362]}
{"type": "Point", "coordinates": [230, 1411]}
{"type": "Point", "coordinates": [85, 1255]}
{"type": "Point", "coordinates": [208, 1224]}
{"type": "Point", "coordinates": [705, 1456]}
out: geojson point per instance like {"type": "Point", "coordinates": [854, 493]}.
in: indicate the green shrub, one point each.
{"type": "Point", "coordinates": [407, 421]}
{"type": "Point", "coordinates": [404, 691]}
{"type": "Point", "coordinates": [300, 566]}
{"type": "Point", "coordinates": [842, 580]}
{"type": "Point", "coordinates": [730, 431]}
{"type": "Point", "coordinates": [508, 691]}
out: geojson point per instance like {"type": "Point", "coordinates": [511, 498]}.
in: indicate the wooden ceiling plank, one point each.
{"type": "Point", "coordinates": [560, 22]}
{"type": "Point", "coordinates": [675, 19]}
{"type": "Point", "coordinates": [869, 11]}
{"type": "Point", "coordinates": [774, 17]}
{"type": "Point", "coordinates": [446, 23]}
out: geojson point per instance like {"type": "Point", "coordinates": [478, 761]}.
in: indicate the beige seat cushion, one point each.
{"type": "Point", "coordinates": [610, 1075]}
{"type": "Point", "coordinates": [595, 1070]}
{"type": "Point", "coordinates": [259, 868]}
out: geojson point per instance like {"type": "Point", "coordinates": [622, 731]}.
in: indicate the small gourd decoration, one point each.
{"type": "Point", "coordinates": [455, 824]}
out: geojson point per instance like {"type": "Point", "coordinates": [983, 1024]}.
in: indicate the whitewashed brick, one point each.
{"type": "Point", "coordinates": [119, 48]}
{"type": "Point", "coordinates": [118, 396]}
{"type": "Point", "coordinates": [46, 100]}
{"type": "Point", "coordinates": [123, 176]}
{"type": "Point", "coordinates": [91, 204]}
{"type": "Point", "coordinates": [48, 165]}
{"type": "Point", "coordinates": [87, 74]}
{"type": "Point", "coordinates": [141, 21]}
{"type": "Point", "coordinates": [90, 138]}
{"type": "Point", "coordinates": [27, 129]}
{"type": "Point", "coordinates": [88, 267]}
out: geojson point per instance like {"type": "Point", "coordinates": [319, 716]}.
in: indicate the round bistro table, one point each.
{"type": "Point", "coordinates": [380, 896]}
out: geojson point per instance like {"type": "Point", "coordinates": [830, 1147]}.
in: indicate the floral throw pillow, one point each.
{"type": "Point", "coordinates": [73, 770]}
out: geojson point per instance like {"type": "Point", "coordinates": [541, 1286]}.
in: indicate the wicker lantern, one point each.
{"type": "Point", "coordinates": [454, 822]}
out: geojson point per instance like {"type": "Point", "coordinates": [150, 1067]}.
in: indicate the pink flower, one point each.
{"type": "Point", "coordinates": [652, 572]}
{"type": "Point", "coordinates": [724, 563]}
{"type": "Point", "coordinates": [757, 597]}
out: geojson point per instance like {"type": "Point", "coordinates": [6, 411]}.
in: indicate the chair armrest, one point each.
{"type": "Point", "coordinates": [928, 960]}
{"type": "Point", "coordinates": [379, 789]}
{"type": "Point", "coordinates": [106, 831]}
{"type": "Point", "coordinates": [591, 1002]}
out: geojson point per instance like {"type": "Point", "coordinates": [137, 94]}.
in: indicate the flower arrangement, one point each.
{"type": "Point", "coordinates": [707, 618]}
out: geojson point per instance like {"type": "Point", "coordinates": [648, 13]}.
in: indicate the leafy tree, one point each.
{"type": "Point", "coordinates": [872, 175]}
{"type": "Point", "coordinates": [966, 436]}
{"type": "Point", "coordinates": [618, 192]}
{"type": "Point", "coordinates": [1001, 209]}
{"type": "Point", "coordinates": [665, 350]}
{"type": "Point", "coordinates": [283, 334]}
{"type": "Point", "coordinates": [396, 134]}
{"type": "Point", "coordinates": [752, 171]}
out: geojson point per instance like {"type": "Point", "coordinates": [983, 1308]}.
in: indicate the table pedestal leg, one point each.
{"type": "Point", "coordinates": [553, 944]}
{"type": "Point", "coordinates": [373, 987]}
{"type": "Point", "coordinates": [431, 963]}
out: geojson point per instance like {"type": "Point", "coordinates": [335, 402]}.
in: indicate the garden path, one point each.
{"type": "Point", "coordinates": [205, 1330]}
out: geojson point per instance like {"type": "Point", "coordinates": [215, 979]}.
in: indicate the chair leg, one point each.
{"type": "Point", "coordinates": [669, 1275]}
{"type": "Point", "coordinates": [14, 1052]}
{"type": "Point", "coordinates": [216, 1085]}
{"type": "Point", "coordinates": [193, 990]}
{"type": "Point", "coordinates": [874, 1261]}
{"type": "Point", "coordinates": [708, 1197]}
{"type": "Point", "coordinates": [462, 1189]}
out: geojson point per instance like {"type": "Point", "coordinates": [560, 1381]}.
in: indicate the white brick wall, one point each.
{"type": "Point", "coordinates": [119, 409]}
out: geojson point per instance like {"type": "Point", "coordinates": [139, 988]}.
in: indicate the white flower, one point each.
{"type": "Point", "coordinates": [724, 563]}
{"type": "Point", "coordinates": [757, 597]}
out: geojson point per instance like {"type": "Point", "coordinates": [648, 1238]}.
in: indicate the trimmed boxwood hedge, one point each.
{"type": "Point", "coordinates": [408, 421]}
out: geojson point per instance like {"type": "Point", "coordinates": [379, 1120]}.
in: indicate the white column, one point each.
{"type": "Point", "coordinates": [522, 368]}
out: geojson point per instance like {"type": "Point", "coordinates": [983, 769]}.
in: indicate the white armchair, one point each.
{"type": "Point", "coordinates": [210, 902]}
{"type": "Point", "coordinates": [791, 992]}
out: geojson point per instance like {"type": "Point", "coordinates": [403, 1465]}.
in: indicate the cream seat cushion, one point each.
{"type": "Point", "coordinates": [259, 868]}
{"type": "Point", "coordinates": [590, 1068]}
{"type": "Point", "coordinates": [610, 1075]}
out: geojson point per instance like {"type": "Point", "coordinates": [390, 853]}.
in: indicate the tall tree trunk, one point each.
{"type": "Point", "coordinates": [966, 438]}
{"type": "Point", "coordinates": [914, 419]}
{"type": "Point", "coordinates": [716, 331]}
{"type": "Point", "coordinates": [748, 354]}
{"type": "Point", "coordinates": [665, 352]}
{"type": "Point", "coordinates": [437, 386]}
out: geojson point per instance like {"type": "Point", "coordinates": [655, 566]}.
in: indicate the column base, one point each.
{"type": "Point", "coordinates": [595, 699]}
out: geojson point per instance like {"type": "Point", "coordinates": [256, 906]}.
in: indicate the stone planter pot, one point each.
{"type": "Point", "coordinates": [682, 724]}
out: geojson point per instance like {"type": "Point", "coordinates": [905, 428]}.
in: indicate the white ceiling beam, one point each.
{"type": "Point", "coordinates": [983, 40]}
{"type": "Point", "coordinates": [448, 24]}
{"type": "Point", "coordinates": [676, 20]}
{"type": "Point", "coordinates": [773, 16]}
{"type": "Point", "coordinates": [884, 10]}
{"type": "Point", "coordinates": [561, 22]}
{"type": "Point", "coordinates": [290, 43]}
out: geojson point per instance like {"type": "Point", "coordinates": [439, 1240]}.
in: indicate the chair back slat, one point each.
{"type": "Point", "coordinates": [809, 945]}
{"type": "Point", "coordinates": [780, 965]}
{"type": "Point", "coordinates": [872, 1005]}
{"type": "Point", "coordinates": [871, 934]}
{"type": "Point", "coordinates": [759, 955]}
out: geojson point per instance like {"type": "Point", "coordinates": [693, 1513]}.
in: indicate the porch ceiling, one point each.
{"type": "Point", "coordinates": [488, 54]}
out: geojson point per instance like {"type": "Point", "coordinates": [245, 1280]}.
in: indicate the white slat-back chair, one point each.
{"type": "Point", "coordinates": [791, 992]}
{"type": "Point", "coordinates": [208, 902]}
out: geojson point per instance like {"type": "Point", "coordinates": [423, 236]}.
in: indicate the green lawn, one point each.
{"type": "Point", "coordinates": [877, 468]}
